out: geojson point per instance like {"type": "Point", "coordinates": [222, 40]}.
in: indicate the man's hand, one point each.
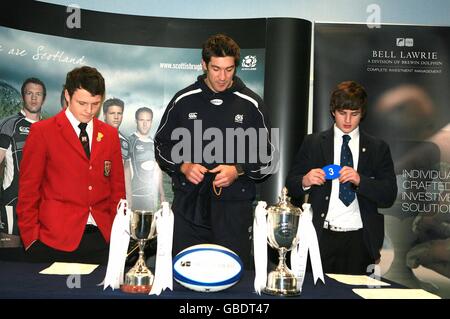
{"type": "Point", "coordinates": [316, 176]}
{"type": "Point", "coordinates": [193, 172]}
{"type": "Point", "coordinates": [434, 255]}
{"type": "Point", "coordinates": [434, 250]}
{"type": "Point", "coordinates": [348, 174]}
{"type": "Point", "coordinates": [226, 175]}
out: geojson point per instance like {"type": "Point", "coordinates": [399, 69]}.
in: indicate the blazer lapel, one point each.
{"type": "Point", "coordinates": [364, 149]}
{"type": "Point", "coordinates": [97, 138]}
{"type": "Point", "coordinates": [68, 133]}
{"type": "Point", "coordinates": [327, 146]}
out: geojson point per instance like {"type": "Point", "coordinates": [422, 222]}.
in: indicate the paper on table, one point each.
{"type": "Point", "coordinates": [394, 293]}
{"type": "Point", "coordinates": [357, 280]}
{"type": "Point", "coordinates": [59, 268]}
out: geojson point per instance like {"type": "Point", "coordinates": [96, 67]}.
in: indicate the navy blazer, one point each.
{"type": "Point", "coordinates": [377, 189]}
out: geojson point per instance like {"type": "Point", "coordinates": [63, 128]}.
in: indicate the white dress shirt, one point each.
{"type": "Point", "coordinates": [338, 214]}
{"type": "Point", "coordinates": [75, 122]}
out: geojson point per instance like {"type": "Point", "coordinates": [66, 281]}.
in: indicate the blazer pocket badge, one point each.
{"type": "Point", "coordinates": [107, 168]}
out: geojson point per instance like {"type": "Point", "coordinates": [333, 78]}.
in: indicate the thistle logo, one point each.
{"type": "Point", "coordinates": [404, 42]}
{"type": "Point", "coordinates": [239, 118]}
{"type": "Point", "coordinates": [249, 61]}
{"type": "Point", "coordinates": [192, 116]}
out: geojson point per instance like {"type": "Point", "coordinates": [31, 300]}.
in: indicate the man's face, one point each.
{"type": "Point", "coordinates": [83, 105]}
{"type": "Point", "coordinates": [114, 116]}
{"type": "Point", "coordinates": [33, 98]}
{"type": "Point", "coordinates": [347, 120]}
{"type": "Point", "coordinates": [219, 73]}
{"type": "Point", "coordinates": [144, 123]}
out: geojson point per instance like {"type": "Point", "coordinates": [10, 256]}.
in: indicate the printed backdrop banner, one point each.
{"type": "Point", "coordinates": [146, 73]}
{"type": "Point", "coordinates": [145, 61]}
{"type": "Point", "coordinates": [405, 70]}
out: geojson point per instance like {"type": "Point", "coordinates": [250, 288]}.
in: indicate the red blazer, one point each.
{"type": "Point", "coordinates": [59, 186]}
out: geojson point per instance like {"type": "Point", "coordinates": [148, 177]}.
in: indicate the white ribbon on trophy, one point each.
{"type": "Point", "coordinates": [260, 246]}
{"type": "Point", "coordinates": [307, 241]}
{"type": "Point", "coordinates": [163, 268]}
{"type": "Point", "coordinates": [120, 238]}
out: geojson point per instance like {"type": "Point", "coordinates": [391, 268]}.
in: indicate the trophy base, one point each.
{"type": "Point", "coordinates": [279, 284]}
{"type": "Point", "coordinates": [136, 289]}
{"type": "Point", "coordinates": [138, 280]}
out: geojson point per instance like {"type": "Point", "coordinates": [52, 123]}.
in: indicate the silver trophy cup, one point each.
{"type": "Point", "coordinates": [282, 225]}
{"type": "Point", "coordinates": [139, 279]}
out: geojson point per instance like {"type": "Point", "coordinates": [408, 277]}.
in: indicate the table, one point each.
{"type": "Point", "coordinates": [22, 280]}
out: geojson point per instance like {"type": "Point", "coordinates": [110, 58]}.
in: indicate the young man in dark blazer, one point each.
{"type": "Point", "coordinates": [345, 209]}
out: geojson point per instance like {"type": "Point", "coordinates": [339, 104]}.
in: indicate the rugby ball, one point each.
{"type": "Point", "coordinates": [207, 268]}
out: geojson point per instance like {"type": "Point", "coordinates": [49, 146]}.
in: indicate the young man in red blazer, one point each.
{"type": "Point", "coordinates": [71, 178]}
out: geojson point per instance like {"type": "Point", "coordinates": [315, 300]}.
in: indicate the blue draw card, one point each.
{"type": "Point", "coordinates": [331, 171]}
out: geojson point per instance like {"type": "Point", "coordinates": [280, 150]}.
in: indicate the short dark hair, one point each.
{"type": "Point", "coordinates": [220, 45]}
{"type": "Point", "coordinates": [87, 78]}
{"type": "Point", "coordinates": [111, 102]}
{"type": "Point", "coordinates": [349, 95]}
{"type": "Point", "coordinates": [142, 110]}
{"type": "Point", "coordinates": [34, 81]}
{"type": "Point", "coordinates": [62, 98]}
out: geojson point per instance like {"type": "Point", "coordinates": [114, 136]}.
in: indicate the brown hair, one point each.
{"type": "Point", "coordinates": [220, 45]}
{"type": "Point", "coordinates": [143, 109]}
{"type": "Point", "coordinates": [34, 81]}
{"type": "Point", "coordinates": [113, 101]}
{"type": "Point", "coordinates": [349, 95]}
{"type": "Point", "coordinates": [86, 78]}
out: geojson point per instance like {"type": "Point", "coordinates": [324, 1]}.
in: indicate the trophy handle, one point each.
{"type": "Point", "coordinates": [153, 227]}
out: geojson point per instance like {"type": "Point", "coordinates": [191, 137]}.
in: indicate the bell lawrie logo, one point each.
{"type": "Point", "coordinates": [404, 42]}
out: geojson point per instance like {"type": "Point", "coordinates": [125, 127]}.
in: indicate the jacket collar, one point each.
{"type": "Point", "coordinates": [68, 133]}
{"type": "Point", "coordinates": [327, 147]}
